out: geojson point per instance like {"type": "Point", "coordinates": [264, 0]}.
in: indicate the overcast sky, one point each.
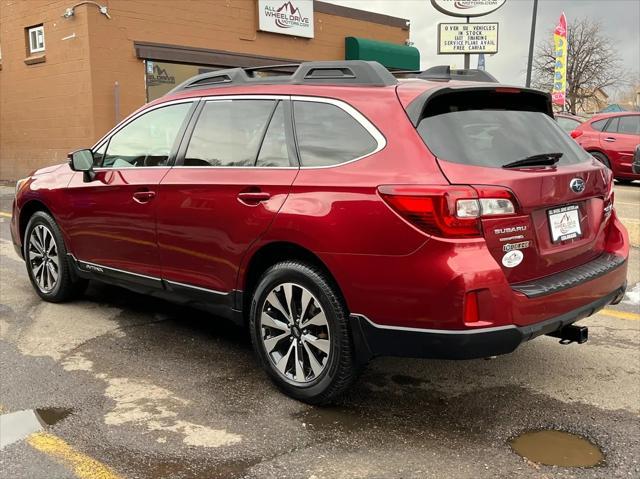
{"type": "Point", "coordinates": [620, 21]}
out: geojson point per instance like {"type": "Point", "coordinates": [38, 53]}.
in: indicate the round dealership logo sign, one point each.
{"type": "Point", "coordinates": [467, 8]}
{"type": "Point", "coordinates": [512, 258]}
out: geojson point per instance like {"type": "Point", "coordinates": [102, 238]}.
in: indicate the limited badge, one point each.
{"type": "Point", "coordinates": [512, 246]}
{"type": "Point", "coordinates": [512, 258]}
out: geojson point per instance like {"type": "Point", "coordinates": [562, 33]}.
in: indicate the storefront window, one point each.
{"type": "Point", "coordinates": [163, 77]}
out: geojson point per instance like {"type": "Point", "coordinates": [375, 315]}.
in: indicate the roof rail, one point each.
{"type": "Point", "coordinates": [346, 72]}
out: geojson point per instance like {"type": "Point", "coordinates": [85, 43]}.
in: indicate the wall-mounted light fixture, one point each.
{"type": "Point", "coordinates": [69, 12]}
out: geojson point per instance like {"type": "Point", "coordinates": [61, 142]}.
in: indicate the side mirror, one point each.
{"type": "Point", "coordinates": [82, 160]}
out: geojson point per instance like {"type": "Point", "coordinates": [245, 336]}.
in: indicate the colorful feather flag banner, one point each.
{"type": "Point", "coordinates": [560, 72]}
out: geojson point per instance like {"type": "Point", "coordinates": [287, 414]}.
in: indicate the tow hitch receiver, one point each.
{"type": "Point", "coordinates": [571, 334]}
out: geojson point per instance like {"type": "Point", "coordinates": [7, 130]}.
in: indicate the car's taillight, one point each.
{"type": "Point", "coordinates": [448, 211]}
{"type": "Point", "coordinates": [608, 206]}
{"type": "Point", "coordinates": [576, 133]}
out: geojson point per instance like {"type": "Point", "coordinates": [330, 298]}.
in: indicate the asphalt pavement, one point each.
{"type": "Point", "coordinates": [149, 389]}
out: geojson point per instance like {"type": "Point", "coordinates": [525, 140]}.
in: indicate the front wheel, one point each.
{"type": "Point", "coordinates": [300, 333]}
{"type": "Point", "coordinates": [45, 255]}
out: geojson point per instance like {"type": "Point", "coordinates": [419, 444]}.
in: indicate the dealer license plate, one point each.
{"type": "Point", "coordinates": [564, 223]}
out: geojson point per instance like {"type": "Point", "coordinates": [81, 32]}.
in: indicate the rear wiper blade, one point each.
{"type": "Point", "coordinates": [543, 159]}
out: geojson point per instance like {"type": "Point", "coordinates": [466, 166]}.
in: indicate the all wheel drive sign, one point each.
{"type": "Point", "coordinates": [288, 17]}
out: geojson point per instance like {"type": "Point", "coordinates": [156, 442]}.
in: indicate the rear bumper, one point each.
{"type": "Point", "coordinates": [373, 340]}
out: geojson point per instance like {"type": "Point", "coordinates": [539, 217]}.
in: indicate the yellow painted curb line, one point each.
{"type": "Point", "coordinates": [83, 466]}
{"type": "Point", "coordinates": [6, 215]}
{"type": "Point", "coordinates": [621, 314]}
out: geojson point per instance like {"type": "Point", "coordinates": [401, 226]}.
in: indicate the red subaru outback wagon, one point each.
{"type": "Point", "coordinates": [341, 214]}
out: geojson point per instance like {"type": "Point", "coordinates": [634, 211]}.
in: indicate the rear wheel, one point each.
{"type": "Point", "coordinates": [46, 258]}
{"type": "Point", "coordinates": [300, 333]}
{"type": "Point", "coordinates": [602, 158]}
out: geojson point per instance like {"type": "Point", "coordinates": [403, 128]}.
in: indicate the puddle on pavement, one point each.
{"type": "Point", "coordinates": [16, 426]}
{"type": "Point", "coordinates": [403, 380]}
{"type": "Point", "coordinates": [52, 415]}
{"type": "Point", "coordinates": [557, 448]}
{"type": "Point", "coordinates": [331, 418]}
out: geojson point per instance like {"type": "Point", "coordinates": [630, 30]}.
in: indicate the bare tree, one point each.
{"type": "Point", "coordinates": [629, 95]}
{"type": "Point", "coordinates": [592, 63]}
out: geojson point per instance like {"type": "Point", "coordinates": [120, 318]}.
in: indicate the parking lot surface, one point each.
{"type": "Point", "coordinates": [146, 389]}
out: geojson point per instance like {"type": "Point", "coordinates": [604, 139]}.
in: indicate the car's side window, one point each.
{"type": "Point", "coordinates": [328, 135]}
{"type": "Point", "coordinates": [147, 140]}
{"type": "Point", "coordinates": [274, 151]}
{"type": "Point", "coordinates": [629, 125]}
{"type": "Point", "coordinates": [229, 133]}
{"type": "Point", "coordinates": [612, 127]}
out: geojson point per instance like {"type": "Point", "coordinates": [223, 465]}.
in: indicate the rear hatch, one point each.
{"type": "Point", "coordinates": [562, 194]}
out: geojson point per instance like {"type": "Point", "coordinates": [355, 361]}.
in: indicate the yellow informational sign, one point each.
{"type": "Point", "coordinates": [558, 93]}
{"type": "Point", "coordinates": [467, 38]}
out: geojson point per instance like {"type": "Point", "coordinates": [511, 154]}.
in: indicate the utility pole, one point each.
{"type": "Point", "coordinates": [532, 41]}
{"type": "Point", "coordinates": [467, 56]}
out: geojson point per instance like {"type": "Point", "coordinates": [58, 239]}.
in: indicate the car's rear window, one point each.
{"type": "Point", "coordinates": [493, 138]}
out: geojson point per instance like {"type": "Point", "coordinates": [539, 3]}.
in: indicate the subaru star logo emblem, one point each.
{"type": "Point", "coordinates": [577, 185]}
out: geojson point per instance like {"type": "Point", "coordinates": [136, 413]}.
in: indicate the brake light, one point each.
{"type": "Point", "coordinates": [608, 206]}
{"type": "Point", "coordinates": [448, 211]}
{"type": "Point", "coordinates": [576, 133]}
{"type": "Point", "coordinates": [507, 90]}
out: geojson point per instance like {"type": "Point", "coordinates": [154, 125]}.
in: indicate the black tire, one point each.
{"type": "Point", "coordinates": [602, 158]}
{"type": "Point", "coordinates": [67, 285]}
{"type": "Point", "coordinates": [340, 368]}
{"type": "Point", "coordinates": [625, 182]}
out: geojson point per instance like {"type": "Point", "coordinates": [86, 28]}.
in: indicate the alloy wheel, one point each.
{"type": "Point", "coordinates": [295, 332]}
{"type": "Point", "coordinates": [43, 258]}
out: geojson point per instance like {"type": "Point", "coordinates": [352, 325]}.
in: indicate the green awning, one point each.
{"type": "Point", "coordinates": [397, 57]}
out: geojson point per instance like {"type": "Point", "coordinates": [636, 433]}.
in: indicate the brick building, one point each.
{"type": "Point", "coordinates": [70, 70]}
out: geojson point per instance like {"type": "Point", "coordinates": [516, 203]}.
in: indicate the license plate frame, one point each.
{"type": "Point", "coordinates": [564, 223]}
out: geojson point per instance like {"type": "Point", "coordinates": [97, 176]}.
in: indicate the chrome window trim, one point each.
{"type": "Point", "coordinates": [435, 331]}
{"type": "Point", "coordinates": [379, 138]}
{"type": "Point", "coordinates": [130, 168]}
{"type": "Point", "coordinates": [350, 110]}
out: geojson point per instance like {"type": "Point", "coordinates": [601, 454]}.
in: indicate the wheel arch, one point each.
{"type": "Point", "coordinates": [26, 212]}
{"type": "Point", "coordinates": [272, 253]}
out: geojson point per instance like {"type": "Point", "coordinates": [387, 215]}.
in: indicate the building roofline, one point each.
{"type": "Point", "coordinates": [356, 14]}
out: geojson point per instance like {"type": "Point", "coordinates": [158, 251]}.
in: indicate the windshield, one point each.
{"type": "Point", "coordinates": [493, 138]}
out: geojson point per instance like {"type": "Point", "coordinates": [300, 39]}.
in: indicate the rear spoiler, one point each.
{"type": "Point", "coordinates": [463, 97]}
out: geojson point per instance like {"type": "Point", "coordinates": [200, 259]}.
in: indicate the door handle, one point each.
{"type": "Point", "coordinates": [143, 196]}
{"type": "Point", "coordinates": [609, 139]}
{"type": "Point", "coordinates": [253, 197]}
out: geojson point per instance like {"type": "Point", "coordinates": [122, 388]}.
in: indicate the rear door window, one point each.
{"type": "Point", "coordinates": [274, 151]}
{"type": "Point", "coordinates": [612, 126]}
{"type": "Point", "coordinates": [328, 135]}
{"type": "Point", "coordinates": [229, 133]}
{"type": "Point", "coordinates": [629, 125]}
{"type": "Point", "coordinates": [492, 137]}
